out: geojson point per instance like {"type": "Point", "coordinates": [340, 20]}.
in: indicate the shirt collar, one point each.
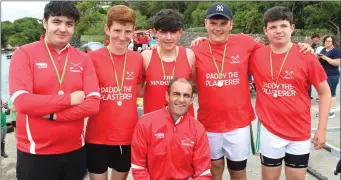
{"type": "Point", "coordinates": [165, 109]}
{"type": "Point", "coordinates": [42, 38]}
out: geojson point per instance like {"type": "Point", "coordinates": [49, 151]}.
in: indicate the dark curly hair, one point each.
{"type": "Point", "coordinates": [278, 13]}
{"type": "Point", "coordinates": [167, 20]}
{"type": "Point", "coordinates": [61, 8]}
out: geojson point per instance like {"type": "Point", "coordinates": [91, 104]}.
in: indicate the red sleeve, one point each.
{"type": "Point", "coordinates": [21, 87]}
{"type": "Point", "coordinates": [251, 63]}
{"type": "Point", "coordinates": [316, 73]}
{"type": "Point", "coordinates": [90, 105]}
{"type": "Point", "coordinates": [139, 153]}
{"type": "Point", "coordinates": [253, 43]}
{"type": "Point", "coordinates": [202, 157]}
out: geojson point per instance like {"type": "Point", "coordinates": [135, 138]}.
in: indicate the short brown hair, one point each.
{"type": "Point", "coordinates": [181, 80]}
{"type": "Point", "coordinates": [329, 36]}
{"type": "Point", "coordinates": [121, 14]}
{"type": "Point", "coordinates": [277, 13]}
{"type": "Point", "coordinates": [314, 35]}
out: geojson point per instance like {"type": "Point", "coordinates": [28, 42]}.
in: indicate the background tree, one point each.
{"type": "Point", "coordinates": [323, 17]}
{"type": "Point", "coordinates": [21, 31]}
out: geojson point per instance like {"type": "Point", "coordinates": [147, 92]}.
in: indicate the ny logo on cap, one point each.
{"type": "Point", "coordinates": [220, 8]}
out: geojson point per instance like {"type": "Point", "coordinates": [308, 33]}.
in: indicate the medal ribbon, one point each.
{"type": "Point", "coordinates": [163, 66]}
{"type": "Point", "coordinates": [60, 79]}
{"type": "Point", "coordinates": [215, 63]}
{"type": "Point", "coordinates": [119, 87]}
{"type": "Point", "coordinates": [281, 67]}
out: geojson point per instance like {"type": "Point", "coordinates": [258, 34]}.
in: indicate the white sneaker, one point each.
{"type": "Point", "coordinates": [331, 115]}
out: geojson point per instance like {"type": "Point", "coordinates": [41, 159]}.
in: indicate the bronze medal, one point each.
{"type": "Point", "coordinates": [275, 95]}
{"type": "Point", "coordinates": [119, 103]}
{"type": "Point", "coordinates": [60, 78]}
{"type": "Point", "coordinates": [220, 83]}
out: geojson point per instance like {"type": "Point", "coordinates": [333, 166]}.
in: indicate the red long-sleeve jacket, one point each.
{"type": "Point", "coordinates": [34, 90]}
{"type": "Point", "coordinates": [164, 150]}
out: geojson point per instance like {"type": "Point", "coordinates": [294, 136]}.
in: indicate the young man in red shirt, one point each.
{"type": "Point", "coordinates": [119, 71]}
{"type": "Point", "coordinates": [53, 87]}
{"type": "Point", "coordinates": [223, 90]}
{"type": "Point", "coordinates": [169, 143]}
{"type": "Point", "coordinates": [165, 62]}
{"type": "Point", "coordinates": [282, 75]}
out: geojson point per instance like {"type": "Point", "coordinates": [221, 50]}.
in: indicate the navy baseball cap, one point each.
{"type": "Point", "coordinates": [219, 10]}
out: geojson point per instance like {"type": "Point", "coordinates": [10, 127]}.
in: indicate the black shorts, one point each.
{"type": "Point", "coordinates": [100, 157]}
{"type": "Point", "coordinates": [14, 124]}
{"type": "Point", "coordinates": [292, 161]}
{"type": "Point", "coordinates": [68, 166]}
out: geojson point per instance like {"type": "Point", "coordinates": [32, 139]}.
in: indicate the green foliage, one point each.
{"type": "Point", "coordinates": [198, 15]}
{"type": "Point", "coordinates": [95, 28]}
{"type": "Point", "coordinates": [20, 32]}
{"type": "Point", "coordinates": [323, 15]}
{"type": "Point", "coordinates": [309, 16]}
{"type": "Point", "coordinates": [141, 21]}
{"type": "Point", "coordinates": [308, 32]}
{"type": "Point", "coordinates": [18, 39]}
{"type": "Point", "coordinates": [247, 18]}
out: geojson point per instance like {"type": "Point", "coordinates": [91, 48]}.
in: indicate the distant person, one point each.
{"type": "Point", "coordinates": [152, 41]}
{"type": "Point", "coordinates": [13, 113]}
{"type": "Point", "coordinates": [3, 131]}
{"type": "Point", "coordinates": [315, 38]}
{"type": "Point", "coordinates": [137, 41]}
{"type": "Point", "coordinates": [169, 143]}
{"type": "Point", "coordinates": [330, 60]}
{"type": "Point", "coordinates": [144, 39]}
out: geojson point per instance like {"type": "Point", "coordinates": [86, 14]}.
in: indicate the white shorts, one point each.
{"type": "Point", "coordinates": [235, 145]}
{"type": "Point", "coordinates": [274, 147]}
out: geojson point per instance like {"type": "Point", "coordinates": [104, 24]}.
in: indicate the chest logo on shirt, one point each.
{"type": "Point", "coordinates": [235, 60]}
{"type": "Point", "coordinates": [41, 65]}
{"type": "Point", "coordinates": [76, 67]}
{"type": "Point", "coordinates": [159, 135]}
{"type": "Point", "coordinates": [130, 76]}
{"type": "Point", "coordinates": [187, 141]}
{"type": "Point", "coordinates": [288, 74]}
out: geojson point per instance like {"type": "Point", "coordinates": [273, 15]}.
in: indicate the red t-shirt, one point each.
{"type": "Point", "coordinates": [156, 83]}
{"type": "Point", "coordinates": [229, 107]}
{"type": "Point", "coordinates": [114, 125]}
{"type": "Point", "coordinates": [287, 116]}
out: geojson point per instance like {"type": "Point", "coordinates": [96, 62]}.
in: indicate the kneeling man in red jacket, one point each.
{"type": "Point", "coordinates": [169, 143]}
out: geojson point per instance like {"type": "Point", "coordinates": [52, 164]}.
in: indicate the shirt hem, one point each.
{"type": "Point", "coordinates": [301, 138]}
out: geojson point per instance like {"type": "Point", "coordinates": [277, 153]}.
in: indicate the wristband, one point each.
{"type": "Point", "coordinates": [51, 116]}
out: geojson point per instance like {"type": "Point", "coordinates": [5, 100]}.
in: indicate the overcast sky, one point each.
{"type": "Point", "coordinates": [19, 9]}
